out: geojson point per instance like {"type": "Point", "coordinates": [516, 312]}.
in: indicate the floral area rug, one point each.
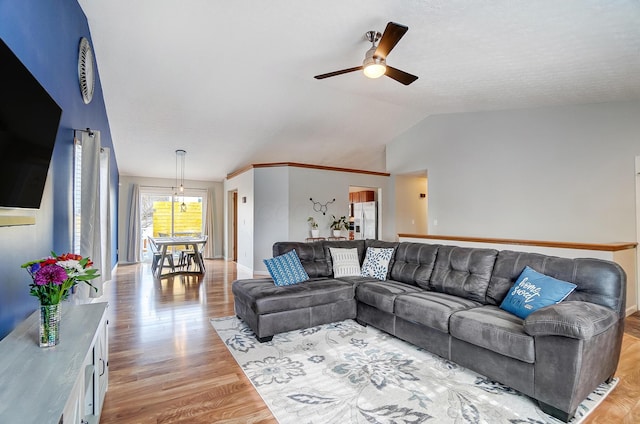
{"type": "Point", "coordinates": [346, 373]}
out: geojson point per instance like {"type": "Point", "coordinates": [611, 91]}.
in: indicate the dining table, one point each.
{"type": "Point", "coordinates": [194, 244]}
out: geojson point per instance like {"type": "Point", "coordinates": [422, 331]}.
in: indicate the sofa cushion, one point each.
{"type": "Point", "coordinates": [358, 279]}
{"type": "Point", "coordinates": [382, 294]}
{"type": "Point", "coordinates": [376, 262]}
{"type": "Point", "coordinates": [494, 329]}
{"type": "Point", "coordinates": [342, 244]}
{"type": "Point", "coordinates": [286, 269]}
{"type": "Point", "coordinates": [463, 271]}
{"type": "Point", "coordinates": [345, 262]}
{"type": "Point", "coordinates": [431, 309]}
{"type": "Point", "coordinates": [311, 256]}
{"type": "Point", "coordinates": [533, 291]}
{"type": "Point", "coordinates": [600, 282]}
{"type": "Point", "coordinates": [414, 263]}
{"type": "Point", "coordinates": [263, 297]}
{"type": "Point", "coordinates": [578, 320]}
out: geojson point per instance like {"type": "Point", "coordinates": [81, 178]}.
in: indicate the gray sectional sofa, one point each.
{"type": "Point", "coordinates": [446, 300]}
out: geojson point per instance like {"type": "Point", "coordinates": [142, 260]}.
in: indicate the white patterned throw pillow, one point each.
{"type": "Point", "coordinates": [345, 262]}
{"type": "Point", "coordinates": [376, 262]}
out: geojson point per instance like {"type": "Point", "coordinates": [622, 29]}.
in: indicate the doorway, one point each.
{"type": "Point", "coordinates": [411, 193]}
{"type": "Point", "coordinates": [365, 213]}
{"type": "Point", "coordinates": [232, 225]}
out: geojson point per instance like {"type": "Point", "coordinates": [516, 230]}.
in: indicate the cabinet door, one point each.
{"type": "Point", "coordinates": [367, 196]}
{"type": "Point", "coordinates": [74, 410]}
{"type": "Point", "coordinates": [102, 365]}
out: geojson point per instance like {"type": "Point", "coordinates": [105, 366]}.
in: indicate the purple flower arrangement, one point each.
{"type": "Point", "coordinates": [54, 277]}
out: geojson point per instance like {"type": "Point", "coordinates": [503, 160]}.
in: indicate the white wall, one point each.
{"type": "Point", "coordinates": [124, 206]}
{"type": "Point", "coordinates": [563, 173]}
{"type": "Point", "coordinates": [243, 184]}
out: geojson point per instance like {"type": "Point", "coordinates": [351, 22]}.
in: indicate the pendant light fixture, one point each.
{"type": "Point", "coordinates": [180, 154]}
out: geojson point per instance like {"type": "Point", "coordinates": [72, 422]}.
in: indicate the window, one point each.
{"type": "Point", "coordinates": [162, 214]}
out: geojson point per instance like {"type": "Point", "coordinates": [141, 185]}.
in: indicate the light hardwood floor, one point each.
{"type": "Point", "coordinates": [167, 364]}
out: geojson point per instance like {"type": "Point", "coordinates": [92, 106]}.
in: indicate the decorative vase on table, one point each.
{"type": "Point", "coordinates": [315, 233]}
{"type": "Point", "coordinates": [50, 324]}
{"type": "Point", "coordinates": [337, 233]}
{"type": "Point", "coordinates": [52, 279]}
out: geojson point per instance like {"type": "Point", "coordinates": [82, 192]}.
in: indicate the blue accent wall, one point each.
{"type": "Point", "coordinates": [45, 35]}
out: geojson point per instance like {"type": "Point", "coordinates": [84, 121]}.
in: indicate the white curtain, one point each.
{"type": "Point", "coordinates": [133, 238]}
{"type": "Point", "coordinates": [91, 210]}
{"type": "Point", "coordinates": [105, 214]}
{"type": "Point", "coordinates": [209, 251]}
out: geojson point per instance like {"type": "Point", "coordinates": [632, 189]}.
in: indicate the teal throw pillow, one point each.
{"type": "Point", "coordinates": [286, 269]}
{"type": "Point", "coordinates": [533, 291]}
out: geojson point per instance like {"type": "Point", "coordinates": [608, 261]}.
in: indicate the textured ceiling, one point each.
{"type": "Point", "coordinates": [231, 82]}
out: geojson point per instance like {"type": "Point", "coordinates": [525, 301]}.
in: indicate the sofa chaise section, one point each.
{"type": "Point", "coordinates": [269, 309]}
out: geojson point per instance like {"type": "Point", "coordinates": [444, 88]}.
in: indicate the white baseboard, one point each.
{"type": "Point", "coordinates": [631, 309]}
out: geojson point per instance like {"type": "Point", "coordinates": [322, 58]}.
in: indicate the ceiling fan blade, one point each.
{"type": "Point", "coordinates": [400, 76]}
{"type": "Point", "coordinates": [390, 37]}
{"type": "Point", "coordinates": [336, 73]}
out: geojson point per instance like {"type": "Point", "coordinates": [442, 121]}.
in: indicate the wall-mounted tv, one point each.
{"type": "Point", "coordinates": [29, 120]}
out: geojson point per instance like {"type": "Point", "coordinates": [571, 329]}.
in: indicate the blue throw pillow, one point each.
{"type": "Point", "coordinates": [286, 269]}
{"type": "Point", "coordinates": [533, 291]}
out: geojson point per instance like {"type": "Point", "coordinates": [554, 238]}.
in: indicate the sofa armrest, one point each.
{"type": "Point", "coordinates": [575, 319]}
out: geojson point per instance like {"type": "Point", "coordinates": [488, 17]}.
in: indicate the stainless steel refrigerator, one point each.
{"type": "Point", "coordinates": [365, 220]}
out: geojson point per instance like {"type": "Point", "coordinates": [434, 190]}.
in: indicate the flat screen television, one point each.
{"type": "Point", "coordinates": [29, 120]}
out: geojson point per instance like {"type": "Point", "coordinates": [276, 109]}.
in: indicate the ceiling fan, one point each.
{"type": "Point", "coordinates": [375, 60]}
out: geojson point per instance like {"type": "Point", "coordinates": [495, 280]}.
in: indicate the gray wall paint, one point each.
{"type": "Point", "coordinates": [563, 173]}
{"type": "Point", "coordinates": [278, 206]}
{"type": "Point", "coordinates": [271, 212]}
{"type": "Point", "coordinates": [324, 186]}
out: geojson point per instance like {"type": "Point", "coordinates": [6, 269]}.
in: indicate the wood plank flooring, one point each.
{"type": "Point", "coordinates": [167, 364]}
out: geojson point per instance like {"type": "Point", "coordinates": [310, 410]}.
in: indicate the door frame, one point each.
{"type": "Point", "coordinates": [234, 226]}
{"type": "Point", "coordinates": [637, 176]}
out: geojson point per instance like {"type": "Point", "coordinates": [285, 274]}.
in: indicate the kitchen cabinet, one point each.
{"type": "Point", "coordinates": [362, 196]}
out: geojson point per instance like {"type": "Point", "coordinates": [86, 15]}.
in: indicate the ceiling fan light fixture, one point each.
{"type": "Point", "coordinates": [373, 66]}
{"type": "Point", "coordinates": [375, 70]}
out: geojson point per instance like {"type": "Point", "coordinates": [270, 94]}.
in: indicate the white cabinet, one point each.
{"type": "Point", "coordinates": [69, 380]}
{"type": "Point", "coordinates": [74, 410]}
{"type": "Point", "coordinates": [100, 376]}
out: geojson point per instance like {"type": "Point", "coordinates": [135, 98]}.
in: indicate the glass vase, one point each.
{"type": "Point", "coordinates": [50, 325]}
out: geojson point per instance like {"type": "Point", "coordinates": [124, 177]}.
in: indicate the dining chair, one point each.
{"type": "Point", "coordinates": [187, 257]}
{"type": "Point", "coordinates": [157, 257]}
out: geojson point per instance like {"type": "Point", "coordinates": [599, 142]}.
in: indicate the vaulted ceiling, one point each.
{"type": "Point", "coordinates": [231, 82]}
